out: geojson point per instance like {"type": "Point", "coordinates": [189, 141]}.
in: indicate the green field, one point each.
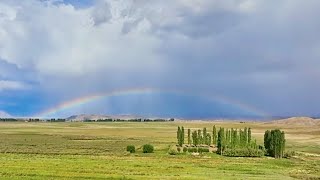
{"type": "Point", "coordinates": [98, 151]}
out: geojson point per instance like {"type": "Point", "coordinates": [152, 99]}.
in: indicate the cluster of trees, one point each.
{"type": "Point", "coordinates": [180, 135]}
{"type": "Point", "coordinates": [234, 139]}
{"type": "Point", "coordinates": [33, 120]}
{"type": "Point", "coordinates": [197, 137]}
{"type": "Point", "coordinates": [8, 120]}
{"type": "Point", "coordinates": [201, 137]}
{"type": "Point", "coordinates": [229, 142]}
{"type": "Point", "coordinates": [236, 142]}
{"type": "Point", "coordinates": [56, 120]}
{"type": "Point", "coordinates": [274, 143]}
{"type": "Point", "coordinates": [129, 120]}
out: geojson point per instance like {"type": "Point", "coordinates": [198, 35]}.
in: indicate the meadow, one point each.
{"type": "Point", "coordinates": [98, 151]}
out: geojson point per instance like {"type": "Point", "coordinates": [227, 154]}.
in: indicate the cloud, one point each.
{"type": "Point", "coordinates": [4, 114]}
{"type": "Point", "coordinates": [263, 53]}
{"type": "Point", "coordinates": [11, 85]}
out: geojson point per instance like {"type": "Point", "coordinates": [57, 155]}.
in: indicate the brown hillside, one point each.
{"type": "Point", "coordinates": [303, 121]}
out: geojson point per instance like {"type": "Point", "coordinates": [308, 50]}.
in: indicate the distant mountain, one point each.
{"type": "Point", "coordinates": [4, 114]}
{"type": "Point", "coordinates": [84, 117]}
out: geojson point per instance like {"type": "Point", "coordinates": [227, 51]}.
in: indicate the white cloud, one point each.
{"type": "Point", "coordinates": [12, 85]}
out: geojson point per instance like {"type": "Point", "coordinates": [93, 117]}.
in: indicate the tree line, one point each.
{"type": "Point", "coordinates": [235, 142]}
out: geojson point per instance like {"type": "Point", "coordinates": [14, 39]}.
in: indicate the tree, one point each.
{"type": "Point", "coordinates": [214, 135]}
{"type": "Point", "coordinates": [249, 135]}
{"type": "Point", "coordinates": [195, 138]}
{"type": "Point", "coordinates": [182, 136]}
{"type": "Point", "coordinates": [221, 141]}
{"type": "Point", "coordinates": [204, 136]}
{"type": "Point", "coordinates": [245, 136]}
{"type": "Point", "coordinates": [267, 141]}
{"type": "Point", "coordinates": [178, 134]}
{"type": "Point", "coordinates": [199, 137]}
{"type": "Point", "coordinates": [208, 138]}
{"type": "Point", "coordinates": [189, 138]}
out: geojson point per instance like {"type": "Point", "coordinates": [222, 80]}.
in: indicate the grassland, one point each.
{"type": "Point", "coordinates": [97, 151]}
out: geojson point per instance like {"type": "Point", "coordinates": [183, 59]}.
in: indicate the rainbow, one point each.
{"type": "Point", "coordinates": [95, 97]}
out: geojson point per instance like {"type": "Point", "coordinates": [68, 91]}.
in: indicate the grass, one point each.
{"type": "Point", "coordinates": [97, 151]}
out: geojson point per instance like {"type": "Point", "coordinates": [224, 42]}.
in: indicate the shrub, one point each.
{"type": "Point", "coordinates": [201, 150]}
{"type": "Point", "coordinates": [172, 151]}
{"type": "Point", "coordinates": [148, 148]}
{"type": "Point", "coordinates": [131, 148]}
{"type": "Point", "coordinates": [185, 149]}
{"type": "Point", "coordinates": [244, 152]}
{"type": "Point", "coordinates": [179, 149]}
{"type": "Point", "coordinates": [193, 149]}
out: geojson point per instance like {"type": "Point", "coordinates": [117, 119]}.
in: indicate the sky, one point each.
{"type": "Point", "coordinates": [181, 58]}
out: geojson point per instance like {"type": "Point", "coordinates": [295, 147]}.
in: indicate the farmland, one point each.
{"type": "Point", "coordinates": [98, 151]}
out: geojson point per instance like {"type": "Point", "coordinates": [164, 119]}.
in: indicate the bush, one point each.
{"type": "Point", "coordinates": [172, 151]}
{"type": "Point", "coordinates": [148, 148]}
{"type": "Point", "coordinates": [131, 148]}
{"type": "Point", "coordinates": [201, 150]}
{"type": "Point", "coordinates": [245, 152]}
{"type": "Point", "coordinates": [178, 149]}
{"type": "Point", "coordinates": [185, 149]}
{"type": "Point", "coordinates": [193, 149]}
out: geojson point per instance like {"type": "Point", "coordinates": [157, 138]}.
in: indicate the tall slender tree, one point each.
{"type": "Point", "coordinates": [199, 137]}
{"type": "Point", "coordinates": [208, 139]}
{"type": "Point", "coordinates": [204, 132]}
{"type": "Point", "coordinates": [245, 136]}
{"type": "Point", "coordinates": [178, 134]}
{"type": "Point", "coordinates": [195, 138]}
{"type": "Point", "coordinates": [267, 142]}
{"type": "Point", "coordinates": [182, 135]}
{"type": "Point", "coordinates": [189, 136]}
{"type": "Point", "coordinates": [221, 141]}
{"type": "Point", "coordinates": [214, 135]}
{"type": "Point", "coordinates": [249, 135]}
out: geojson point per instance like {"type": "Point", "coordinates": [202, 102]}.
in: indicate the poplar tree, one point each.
{"type": "Point", "coordinates": [178, 134]}
{"type": "Point", "coordinates": [189, 138]}
{"type": "Point", "coordinates": [208, 139]}
{"type": "Point", "coordinates": [249, 135]}
{"type": "Point", "coordinates": [199, 137]}
{"type": "Point", "coordinates": [227, 137]}
{"type": "Point", "coordinates": [232, 138]}
{"type": "Point", "coordinates": [214, 135]}
{"type": "Point", "coordinates": [267, 141]}
{"type": "Point", "coordinates": [195, 138]}
{"type": "Point", "coordinates": [221, 141]}
{"type": "Point", "coordinates": [204, 136]}
{"type": "Point", "coordinates": [283, 143]}
{"type": "Point", "coordinates": [245, 136]}
{"type": "Point", "coordinates": [241, 139]}
{"type": "Point", "coordinates": [182, 135]}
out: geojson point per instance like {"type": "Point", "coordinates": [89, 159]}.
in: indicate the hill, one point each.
{"type": "Point", "coordinates": [302, 121]}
